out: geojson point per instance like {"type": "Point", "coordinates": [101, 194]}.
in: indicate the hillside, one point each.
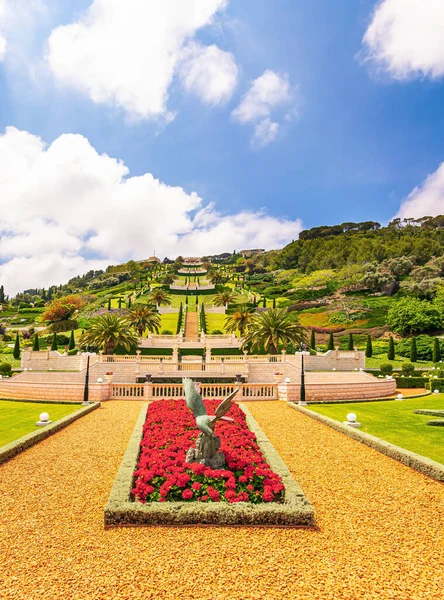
{"type": "Point", "coordinates": [357, 278]}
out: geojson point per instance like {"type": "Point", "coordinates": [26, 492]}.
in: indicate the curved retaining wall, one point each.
{"type": "Point", "coordinates": [325, 392]}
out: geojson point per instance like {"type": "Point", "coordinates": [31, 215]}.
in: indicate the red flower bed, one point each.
{"type": "Point", "coordinates": [163, 475]}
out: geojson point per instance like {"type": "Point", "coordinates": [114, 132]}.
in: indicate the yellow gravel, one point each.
{"type": "Point", "coordinates": [380, 535]}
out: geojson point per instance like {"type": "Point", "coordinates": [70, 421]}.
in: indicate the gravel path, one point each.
{"type": "Point", "coordinates": [379, 524]}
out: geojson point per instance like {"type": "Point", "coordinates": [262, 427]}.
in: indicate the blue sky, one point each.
{"type": "Point", "coordinates": [347, 110]}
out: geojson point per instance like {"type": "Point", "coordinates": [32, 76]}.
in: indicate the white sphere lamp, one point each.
{"type": "Point", "coordinates": [44, 419]}
{"type": "Point", "coordinates": [351, 420]}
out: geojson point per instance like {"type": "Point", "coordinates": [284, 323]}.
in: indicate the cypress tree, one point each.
{"type": "Point", "coordinates": [120, 302]}
{"type": "Point", "coordinates": [197, 299]}
{"type": "Point", "coordinates": [54, 342]}
{"type": "Point", "coordinates": [436, 351]}
{"type": "Point", "coordinates": [369, 347]}
{"type": "Point", "coordinates": [391, 349]}
{"type": "Point", "coordinates": [264, 302]}
{"type": "Point", "coordinates": [36, 345]}
{"type": "Point", "coordinates": [129, 301]}
{"type": "Point", "coordinates": [109, 304]}
{"type": "Point", "coordinates": [72, 341]}
{"type": "Point", "coordinates": [16, 353]}
{"type": "Point", "coordinates": [186, 300]}
{"type": "Point", "coordinates": [274, 302]}
{"type": "Point", "coordinates": [413, 351]}
{"type": "Point", "coordinates": [2, 294]}
{"type": "Point", "coordinates": [313, 340]}
{"type": "Point", "coordinates": [331, 342]}
{"type": "Point", "coordinates": [350, 342]}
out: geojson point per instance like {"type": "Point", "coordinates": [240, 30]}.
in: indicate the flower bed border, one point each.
{"type": "Point", "coordinates": [122, 511]}
{"type": "Point", "coordinates": [424, 465]}
{"type": "Point", "coordinates": [30, 439]}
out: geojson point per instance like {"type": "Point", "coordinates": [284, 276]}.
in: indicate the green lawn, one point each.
{"type": "Point", "coordinates": [15, 363]}
{"type": "Point", "coordinates": [395, 422]}
{"type": "Point", "coordinates": [19, 418]}
{"type": "Point", "coordinates": [215, 321]}
{"type": "Point", "coordinates": [169, 322]}
{"type": "Point", "coordinates": [375, 361]}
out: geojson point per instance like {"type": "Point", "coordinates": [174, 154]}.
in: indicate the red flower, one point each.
{"type": "Point", "coordinates": [196, 485]}
{"type": "Point", "coordinates": [187, 494]}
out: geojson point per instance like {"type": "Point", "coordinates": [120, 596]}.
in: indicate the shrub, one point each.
{"type": "Point", "coordinates": [408, 368]}
{"type": "Point", "coordinates": [411, 382]}
{"type": "Point", "coordinates": [16, 352]}
{"type": "Point", "coordinates": [5, 369]}
{"type": "Point", "coordinates": [331, 342]}
{"type": "Point", "coordinates": [62, 326]}
{"type": "Point", "coordinates": [436, 384]}
{"type": "Point", "coordinates": [413, 351]}
{"type": "Point", "coordinates": [217, 332]}
{"type": "Point", "coordinates": [61, 340]}
{"type": "Point", "coordinates": [391, 349]}
{"type": "Point", "coordinates": [386, 368]}
{"type": "Point", "coordinates": [166, 332]}
{"type": "Point", "coordinates": [350, 345]}
{"type": "Point", "coordinates": [436, 422]}
{"type": "Point", "coordinates": [436, 351]}
{"type": "Point", "coordinates": [36, 345]}
{"type": "Point", "coordinates": [369, 347]}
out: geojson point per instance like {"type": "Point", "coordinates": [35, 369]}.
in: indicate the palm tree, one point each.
{"type": "Point", "coordinates": [168, 279]}
{"type": "Point", "coordinates": [224, 298]}
{"type": "Point", "coordinates": [108, 331]}
{"type": "Point", "coordinates": [215, 277]}
{"type": "Point", "coordinates": [142, 317]}
{"type": "Point", "coordinates": [159, 297]}
{"type": "Point", "coordinates": [239, 320]}
{"type": "Point", "coordinates": [273, 328]}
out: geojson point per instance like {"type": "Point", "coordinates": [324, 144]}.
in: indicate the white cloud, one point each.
{"type": "Point", "coordinates": [2, 47]}
{"type": "Point", "coordinates": [426, 199]}
{"type": "Point", "coordinates": [209, 72]}
{"type": "Point", "coordinates": [267, 93]}
{"type": "Point", "coordinates": [405, 38]}
{"type": "Point", "coordinates": [126, 54]}
{"type": "Point", "coordinates": [265, 132]}
{"type": "Point", "coordinates": [65, 209]}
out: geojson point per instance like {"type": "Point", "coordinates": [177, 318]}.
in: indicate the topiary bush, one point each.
{"type": "Point", "coordinates": [5, 369]}
{"type": "Point", "coordinates": [386, 368]}
{"type": "Point", "coordinates": [411, 382]}
{"type": "Point", "coordinates": [408, 368]}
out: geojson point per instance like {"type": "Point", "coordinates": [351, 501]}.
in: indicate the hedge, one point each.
{"type": "Point", "coordinates": [430, 412]}
{"type": "Point", "coordinates": [436, 423]}
{"type": "Point", "coordinates": [411, 382]}
{"type": "Point", "coordinates": [435, 384]}
{"type": "Point", "coordinates": [25, 442]}
{"type": "Point", "coordinates": [424, 465]}
{"type": "Point", "coordinates": [121, 510]}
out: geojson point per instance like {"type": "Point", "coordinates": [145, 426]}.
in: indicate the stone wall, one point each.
{"type": "Point", "coordinates": [333, 359]}
{"type": "Point", "coordinates": [53, 391]}
{"type": "Point", "coordinates": [323, 392]}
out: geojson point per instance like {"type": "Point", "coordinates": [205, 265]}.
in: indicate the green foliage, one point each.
{"type": "Point", "coordinates": [350, 345]}
{"type": "Point", "coordinates": [369, 347]}
{"type": "Point", "coordinates": [436, 351]}
{"type": "Point", "coordinates": [36, 345]}
{"type": "Point", "coordinates": [411, 315]}
{"type": "Point", "coordinates": [5, 369]}
{"type": "Point", "coordinates": [273, 328]}
{"type": "Point", "coordinates": [16, 352]}
{"type": "Point", "coordinates": [436, 384]}
{"type": "Point", "coordinates": [424, 347]}
{"type": "Point", "coordinates": [108, 331]}
{"type": "Point", "coordinates": [54, 342]}
{"type": "Point", "coordinates": [408, 383]}
{"type": "Point", "coordinates": [386, 368]}
{"type": "Point", "coordinates": [331, 342]}
{"type": "Point", "coordinates": [62, 326]}
{"type": "Point", "coordinates": [408, 368]}
{"type": "Point", "coordinates": [313, 340]}
{"type": "Point", "coordinates": [413, 351]}
{"type": "Point", "coordinates": [72, 341]}
{"type": "Point", "coordinates": [391, 349]}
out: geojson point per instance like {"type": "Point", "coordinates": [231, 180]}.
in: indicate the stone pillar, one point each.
{"type": "Point", "coordinates": [148, 391]}
{"type": "Point", "coordinates": [356, 353]}
{"type": "Point", "coordinates": [101, 356]}
{"type": "Point", "coordinates": [203, 337]}
{"type": "Point", "coordinates": [208, 355]}
{"type": "Point", "coordinates": [47, 353]}
{"type": "Point", "coordinates": [284, 355]}
{"type": "Point", "coordinates": [175, 353]}
{"type": "Point", "coordinates": [337, 357]}
{"type": "Point", "coordinates": [138, 352]}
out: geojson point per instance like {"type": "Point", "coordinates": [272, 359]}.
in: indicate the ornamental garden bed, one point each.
{"type": "Point", "coordinates": [155, 486]}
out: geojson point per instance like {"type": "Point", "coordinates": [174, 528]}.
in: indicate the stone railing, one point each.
{"type": "Point", "coordinates": [160, 391]}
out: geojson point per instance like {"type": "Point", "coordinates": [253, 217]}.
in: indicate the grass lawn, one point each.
{"type": "Point", "coordinates": [15, 363]}
{"type": "Point", "coordinates": [395, 422]}
{"type": "Point", "coordinates": [169, 322]}
{"type": "Point", "coordinates": [19, 418]}
{"type": "Point", "coordinates": [375, 361]}
{"type": "Point", "coordinates": [215, 321]}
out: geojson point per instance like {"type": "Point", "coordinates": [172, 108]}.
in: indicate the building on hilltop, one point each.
{"type": "Point", "coordinates": [248, 253]}
{"type": "Point", "coordinates": [153, 259]}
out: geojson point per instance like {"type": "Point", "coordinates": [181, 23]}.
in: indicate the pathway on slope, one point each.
{"type": "Point", "coordinates": [380, 524]}
{"type": "Point", "coordinates": [191, 332]}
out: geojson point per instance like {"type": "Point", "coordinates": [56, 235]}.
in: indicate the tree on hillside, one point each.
{"type": "Point", "coordinates": [313, 340]}
{"type": "Point", "coordinates": [143, 317]}
{"type": "Point", "coordinates": [168, 279]}
{"type": "Point", "coordinates": [239, 320]}
{"type": "Point", "coordinates": [224, 298]}
{"type": "Point", "coordinates": [2, 295]}
{"type": "Point", "coordinates": [216, 277]}
{"type": "Point", "coordinates": [413, 351]}
{"type": "Point", "coordinates": [411, 315]}
{"type": "Point", "coordinates": [62, 309]}
{"type": "Point", "coordinates": [160, 298]}
{"type": "Point", "coordinates": [16, 352]}
{"type": "Point", "coordinates": [331, 342]}
{"type": "Point", "coordinates": [108, 331]}
{"type": "Point", "coordinates": [273, 328]}
{"type": "Point", "coordinates": [436, 350]}
{"type": "Point", "coordinates": [391, 349]}
{"type": "Point", "coordinates": [369, 347]}
{"type": "Point", "coordinates": [36, 345]}
{"type": "Point", "coordinates": [72, 341]}
{"type": "Point", "coordinates": [350, 345]}
{"type": "Point", "coordinates": [54, 342]}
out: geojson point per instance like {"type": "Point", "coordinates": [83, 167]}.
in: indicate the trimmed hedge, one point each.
{"type": "Point", "coordinates": [121, 510]}
{"type": "Point", "coordinates": [424, 465]}
{"type": "Point", "coordinates": [436, 384]}
{"type": "Point", "coordinates": [411, 382]}
{"type": "Point", "coordinates": [436, 423]}
{"type": "Point", "coordinates": [25, 442]}
{"type": "Point", "coordinates": [430, 412]}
